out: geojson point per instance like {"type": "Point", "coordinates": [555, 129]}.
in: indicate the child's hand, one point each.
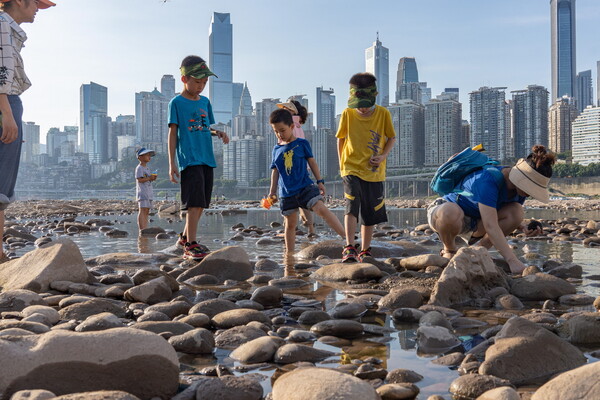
{"type": "Point", "coordinates": [173, 172]}
{"type": "Point", "coordinates": [223, 136]}
{"type": "Point", "coordinates": [321, 188]}
{"type": "Point", "coordinates": [376, 160]}
{"type": "Point", "coordinates": [273, 197]}
{"type": "Point", "coordinates": [10, 131]}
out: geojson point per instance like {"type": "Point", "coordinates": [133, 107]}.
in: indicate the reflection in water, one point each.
{"type": "Point", "coordinates": [144, 244]}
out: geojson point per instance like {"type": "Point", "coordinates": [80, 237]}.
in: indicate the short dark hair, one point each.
{"type": "Point", "coordinates": [363, 80]}
{"type": "Point", "coordinates": [281, 115]}
{"type": "Point", "coordinates": [191, 60]}
{"type": "Point", "coordinates": [8, 5]}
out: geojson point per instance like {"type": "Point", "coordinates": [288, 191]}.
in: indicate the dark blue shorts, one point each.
{"type": "Point", "coordinates": [307, 198]}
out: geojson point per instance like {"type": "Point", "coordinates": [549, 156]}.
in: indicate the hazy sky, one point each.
{"type": "Point", "coordinates": [289, 47]}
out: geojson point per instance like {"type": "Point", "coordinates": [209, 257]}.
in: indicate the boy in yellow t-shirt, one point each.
{"type": "Point", "coordinates": [365, 138]}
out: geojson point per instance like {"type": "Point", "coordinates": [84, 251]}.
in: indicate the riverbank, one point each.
{"type": "Point", "coordinates": [405, 323]}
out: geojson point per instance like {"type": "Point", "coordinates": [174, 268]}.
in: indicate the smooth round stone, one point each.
{"type": "Point", "coordinates": [195, 320]}
{"type": "Point", "coordinates": [435, 318]}
{"type": "Point", "coordinates": [398, 391]}
{"type": "Point", "coordinates": [259, 279]}
{"type": "Point", "coordinates": [197, 341]}
{"type": "Point", "coordinates": [299, 336]}
{"type": "Point", "coordinates": [407, 315]}
{"type": "Point", "coordinates": [576, 300]}
{"type": "Point", "coordinates": [403, 376]}
{"type": "Point", "coordinates": [250, 304]}
{"type": "Point", "coordinates": [162, 236]}
{"type": "Point", "coordinates": [473, 385]}
{"type": "Point", "coordinates": [267, 295]}
{"type": "Point", "coordinates": [266, 264]}
{"type": "Point", "coordinates": [288, 283]}
{"type": "Point", "coordinates": [234, 295]}
{"type": "Point", "coordinates": [313, 317]}
{"type": "Point", "coordinates": [307, 303]}
{"type": "Point", "coordinates": [339, 327]}
{"type": "Point", "coordinates": [153, 316]}
{"type": "Point", "coordinates": [508, 302]}
{"type": "Point", "coordinates": [203, 279]}
{"type": "Point", "coordinates": [348, 310]}
{"type": "Point", "coordinates": [334, 341]}
{"type": "Point", "coordinates": [242, 316]}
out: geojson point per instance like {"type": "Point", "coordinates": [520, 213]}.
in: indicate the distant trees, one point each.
{"type": "Point", "coordinates": [575, 170]}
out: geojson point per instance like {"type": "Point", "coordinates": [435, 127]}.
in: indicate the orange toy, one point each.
{"type": "Point", "coordinates": [267, 202]}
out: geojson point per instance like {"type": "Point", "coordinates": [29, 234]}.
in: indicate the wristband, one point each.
{"type": "Point", "coordinates": [321, 181]}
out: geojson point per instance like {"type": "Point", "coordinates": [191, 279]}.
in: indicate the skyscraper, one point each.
{"type": "Point", "coordinates": [443, 130]}
{"type": "Point", "coordinates": [425, 92]}
{"type": "Point", "coordinates": [529, 119]}
{"type": "Point", "coordinates": [31, 139]}
{"type": "Point", "coordinates": [220, 60]}
{"type": "Point", "coordinates": [562, 15]}
{"type": "Point", "coordinates": [410, 91]}
{"type": "Point", "coordinates": [560, 118]}
{"type": "Point", "coordinates": [488, 120]}
{"type": "Point", "coordinates": [264, 109]}
{"type": "Point", "coordinates": [377, 62]}
{"type": "Point", "coordinates": [407, 70]}
{"type": "Point", "coordinates": [245, 101]}
{"type": "Point", "coordinates": [94, 121]}
{"type": "Point", "coordinates": [586, 137]}
{"type": "Point", "coordinates": [167, 86]}
{"type": "Point", "coordinates": [325, 109]}
{"type": "Point", "coordinates": [585, 90]}
{"type": "Point", "coordinates": [123, 125]}
{"type": "Point", "coordinates": [237, 89]}
{"type": "Point", "coordinates": [598, 83]}
{"type": "Point", "coordinates": [324, 146]}
{"type": "Point", "coordinates": [408, 118]}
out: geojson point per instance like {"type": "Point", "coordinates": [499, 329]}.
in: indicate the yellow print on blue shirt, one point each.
{"type": "Point", "coordinates": [288, 161]}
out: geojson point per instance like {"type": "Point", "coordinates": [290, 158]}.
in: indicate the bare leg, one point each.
{"type": "Point", "coordinates": [447, 221]}
{"type": "Point", "coordinates": [350, 222]}
{"type": "Point", "coordinates": [291, 222]}
{"type": "Point", "coordinates": [510, 216]}
{"type": "Point", "coordinates": [322, 211]}
{"type": "Point", "coordinates": [308, 220]}
{"type": "Point", "coordinates": [191, 223]}
{"type": "Point", "coordinates": [143, 217]}
{"type": "Point", "coordinates": [366, 233]}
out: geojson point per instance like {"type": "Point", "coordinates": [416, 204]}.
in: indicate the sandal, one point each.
{"type": "Point", "coordinates": [363, 254]}
{"type": "Point", "coordinates": [447, 253]}
{"type": "Point", "coordinates": [349, 254]}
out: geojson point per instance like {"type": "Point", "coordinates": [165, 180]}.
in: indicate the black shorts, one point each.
{"type": "Point", "coordinates": [196, 186]}
{"type": "Point", "coordinates": [364, 199]}
{"type": "Point", "coordinates": [307, 198]}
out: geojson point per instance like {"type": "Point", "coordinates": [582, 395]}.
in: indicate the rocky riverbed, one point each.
{"type": "Point", "coordinates": [242, 326]}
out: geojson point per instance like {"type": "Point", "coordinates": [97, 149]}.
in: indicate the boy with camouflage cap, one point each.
{"type": "Point", "coordinates": [190, 138]}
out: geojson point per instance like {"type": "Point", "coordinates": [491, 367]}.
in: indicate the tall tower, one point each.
{"type": "Point", "coordinates": [94, 121]}
{"type": "Point", "coordinates": [325, 109]}
{"type": "Point", "coordinates": [488, 120]}
{"type": "Point", "coordinates": [167, 86]}
{"type": "Point", "coordinates": [31, 139]}
{"type": "Point", "coordinates": [529, 119]}
{"type": "Point", "coordinates": [407, 70]}
{"type": "Point", "coordinates": [220, 61]}
{"type": "Point", "coordinates": [377, 61]}
{"type": "Point", "coordinates": [585, 90]}
{"type": "Point", "coordinates": [562, 13]}
{"type": "Point", "coordinates": [245, 101]}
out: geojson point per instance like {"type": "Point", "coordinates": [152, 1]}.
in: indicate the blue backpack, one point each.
{"type": "Point", "coordinates": [450, 174]}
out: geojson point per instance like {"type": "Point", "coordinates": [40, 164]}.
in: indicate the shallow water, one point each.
{"type": "Point", "coordinates": [397, 349]}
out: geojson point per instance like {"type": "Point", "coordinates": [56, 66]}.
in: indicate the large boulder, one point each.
{"type": "Point", "coordinates": [435, 339]}
{"type": "Point", "coordinates": [151, 292]}
{"type": "Point", "coordinates": [525, 352]}
{"type": "Point", "coordinates": [321, 384]}
{"type": "Point", "coordinates": [581, 329]}
{"type": "Point", "coordinates": [58, 261]}
{"type": "Point", "coordinates": [579, 383]}
{"type": "Point", "coordinates": [127, 259]}
{"type": "Point", "coordinates": [340, 272]}
{"type": "Point", "coordinates": [228, 263]}
{"type": "Point", "coordinates": [137, 362]}
{"type": "Point", "coordinates": [400, 297]}
{"type": "Point", "coordinates": [468, 276]}
{"type": "Point", "coordinates": [540, 286]}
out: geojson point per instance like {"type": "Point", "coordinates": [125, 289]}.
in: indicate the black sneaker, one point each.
{"type": "Point", "coordinates": [349, 254]}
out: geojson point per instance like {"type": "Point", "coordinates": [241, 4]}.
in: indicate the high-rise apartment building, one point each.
{"type": "Point", "coordinates": [324, 146]}
{"type": "Point", "coordinates": [407, 75]}
{"type": "Point", "coordinates": [94, 121]}
{"type": "Point", "coordinates": [325, 109]}
{"type": "Point", "coordinates": [409, 91]}
{"type": "Point", "coordinates": [31, 142]}
{"type": "Point", "coordinates": [123, 125]}
{"type": "Point", "coordinates": [586, 137]}
{"type": "Point", "coordinates": [465, 134]}
{"type": "Point", "coordinates": [425, 92]}
{"type": "Point", "coordinates": [57, 141]}
{"type": "Point", "coordinates": [263, 110]}
{"type": "Point", "coordinates": [243, 125]}
{"type": "Point", "coordinates": [151, 109]}
{"type": "Point", "coordinates": [488, 120]}
{"type": "Point", "coordinates": [560, 119]}
{"type": "Point", "coordinates": [237, 89]}
{"type": "Point", "coordinates": [220, 60]}
{"type": "Point", "coordinates": [585, 90]}
{"type": "Point", "coordinates": [454, 93]}
{"type": "Point", "coordinates": [598, 83]}
{"type": "Point", "coordinates": [167, 86]}
{"type": "Point", "coordinates": [443, 128]}
{"type": "Point", "coordinates": [408, 118]}
{"type": "Point", "coordinates": [562, 20]}
{"type": "Point", "coordinates": [377, 60]}
{"type": "Point", "coordinates": [247, 151]}
{"type": "Point", "coordinates": [530, 119]}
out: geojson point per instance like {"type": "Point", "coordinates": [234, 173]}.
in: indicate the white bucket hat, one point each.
{"type": "Point", "coordinates": [523, 176]}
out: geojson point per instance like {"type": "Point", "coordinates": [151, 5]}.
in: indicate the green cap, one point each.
{"type": "Point", "coordinates": [197, 71]}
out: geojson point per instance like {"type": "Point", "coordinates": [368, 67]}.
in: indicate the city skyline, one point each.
{"type": "Point", "coordinates": [129, 57]}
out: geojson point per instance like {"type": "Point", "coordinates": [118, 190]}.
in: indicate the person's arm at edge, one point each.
{"type": "Point", "coordinates": [274, 181]}
{"type": "Point", "coordinates": [172, 142]}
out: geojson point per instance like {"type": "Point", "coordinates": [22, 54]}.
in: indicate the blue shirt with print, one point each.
{"type": "Point", "coordinates": [484, 188]}
{"type": "Point", "coordinates": [291, 161]}
{"type": "Point", "coordinates": [194, 141]}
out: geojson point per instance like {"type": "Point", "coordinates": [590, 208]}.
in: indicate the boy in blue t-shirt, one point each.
{"type": "Point", "coordinates": [289, 171]}
{"type": "Point", "coordinates": [190, 138]}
